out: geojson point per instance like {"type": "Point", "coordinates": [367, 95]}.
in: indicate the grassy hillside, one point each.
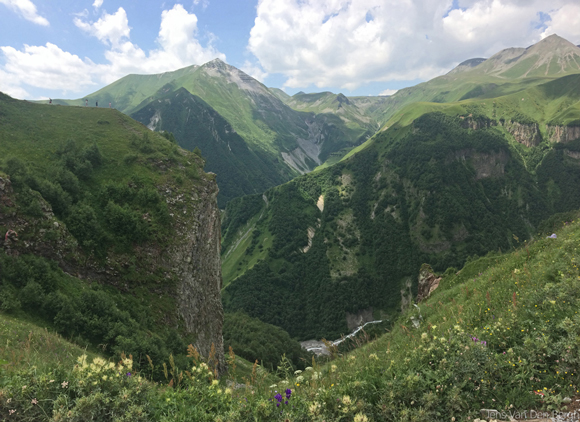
{"type": "Point", "coordinates": [240, 170]}
{"type": "Point", "coordinates": [507, 72]}
{"type": "Point", "coordinates": [85, 191]}
{"type": "Point", "coordinates": [443, 183]}
{"type": "Point", "coordinates": [500, 334]}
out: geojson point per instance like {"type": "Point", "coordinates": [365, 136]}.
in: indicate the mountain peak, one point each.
{"type": "Point", "coordinates": [550, 56]}
{"type": "Point", "coordinates": [552, 42]}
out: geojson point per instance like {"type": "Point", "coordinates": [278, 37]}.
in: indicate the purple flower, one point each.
{"type": "Point", "coordinates": [286, 402]}
{"type": "Point", "coordinates": [277, 404]}
{"type": "Point", "coordinates": [128, 374]}
{"type": "Point", "coordinates": [288, 393]}
{"type": "Point", "coordinates": [278, 397]}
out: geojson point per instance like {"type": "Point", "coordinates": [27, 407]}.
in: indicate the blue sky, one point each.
{"type": "Point", "coordinates": [67, 49]}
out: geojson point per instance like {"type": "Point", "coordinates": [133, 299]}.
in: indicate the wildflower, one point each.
{"type": "Point", "coordinates": [104, 378]}
{"type": "Point", "coordinates": [424, 336]}
{"type": "Point", "coordinates": [288, 393]}
{"type": "Point", "coordinates": [228, 391]}
{"type": "Point", "coordinates": [34, 401]}
{"type": "Point", "coordinates": [346, 400]}
{"type": "Point", "coordinates": [11, 411]}
{"type": "Point", "coordinates": [214, 383]}
{"type": "Point", "coordinates": [297, 372]}
{"type": "Point", "coordinates": [373, 356]}
{"type": "Point", "coordinates": [273, 385]}
{"type": "Point", "coordinates": [333, 368]}
{"type": "Point", "coordinates": [360, 417]}
{"type": "Point", "coordinates": [313, 408]}
{"type": "Point", "coordinates": [299, 379]}
{"type": "Point", "coordinates": [128, 374]}
{"type": "Point", "coordinates": [308, 368]}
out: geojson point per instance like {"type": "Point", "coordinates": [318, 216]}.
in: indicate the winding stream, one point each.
{"type": "Point", "coordinates": [319, 348]}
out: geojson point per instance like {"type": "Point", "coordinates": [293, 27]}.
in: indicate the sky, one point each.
{"type": "Point", "coordinates": [68, 49]}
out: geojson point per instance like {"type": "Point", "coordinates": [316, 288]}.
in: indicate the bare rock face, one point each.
{"type": "Point", "coordinates": [427, 282]}
{"type": "Point", "coordinates": [485, 164]}
{"type": "Point", "coordinates": [195, 259]}
{"type": "Point", "coordinates": [563, 133]}
{"type": "Point", "coordinates": [526, 134]}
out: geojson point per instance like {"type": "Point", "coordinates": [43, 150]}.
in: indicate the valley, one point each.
{"type": "Point", "coordinates": [200, 240]}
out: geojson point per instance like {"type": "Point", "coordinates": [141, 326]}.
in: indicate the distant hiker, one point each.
{"type": "Point", "coordinates": [50, 101]}
{"type": "Point", "coordinates": [86, 103]}
{"type": "Point", "coordinates": [110, 105]}
{"type": "Point", "coordinates": [97, 104]}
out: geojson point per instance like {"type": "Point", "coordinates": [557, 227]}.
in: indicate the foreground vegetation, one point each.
{"type": "Point", "coordinates": [502, 333]}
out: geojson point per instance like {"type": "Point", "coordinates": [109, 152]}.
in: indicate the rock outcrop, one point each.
{"type": "Point", "coordinates": [428, 282]}
{"type": "Point", "coordinates": [196, 262]}
{"type": "Point", "coordinates": [526, 134]}
{"type": "Point", "coordinates": [563, 133]}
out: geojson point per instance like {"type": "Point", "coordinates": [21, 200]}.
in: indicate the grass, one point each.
{"type": "Point", "coordinates": [235, 261]}
{"type": "Point", "coordinates": [502, 333]}
{"type": "Point", "coordinates": [24, 344]}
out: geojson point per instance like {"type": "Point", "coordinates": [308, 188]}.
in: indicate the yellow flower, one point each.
{"type": "Point", "coordinates": [360, 417]}
{"type": "Point", "coordinates": [346, 400]}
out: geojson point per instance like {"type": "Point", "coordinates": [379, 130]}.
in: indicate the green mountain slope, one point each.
{"type": "Point", "coordinates": [443, 183]}
{"type": "Point", "coordinates": [506, 72]}
{"type": "Point", "coordinates": [287, 142]}
{"type": "Point", "coordinates": [93, 207]}
{"type": "Point", "coordinates": [240, 170]}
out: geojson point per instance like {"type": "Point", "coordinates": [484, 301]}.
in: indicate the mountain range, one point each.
{"type": "Point", "coordinates": [441, 183]}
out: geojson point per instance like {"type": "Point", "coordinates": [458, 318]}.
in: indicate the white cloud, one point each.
{"type": "Point", "coordinates": [254, 70]}
{"type": "Point", "coordinates": [27, 9]}
{"type": "Point", "coordinates": [349, 43]}
{"type": "Point", "coordinates": [97, 4]}
{"type": "Point", "coordinates": [110, 29]}
{"type": "Point", "coordinates": [47, 66]}
{"type": "Point", "coordinates": [566, 23]}
{"type": "Point", "coordinates": [50, 67]}
{"type": "Point", "coordinates": [387, 92]}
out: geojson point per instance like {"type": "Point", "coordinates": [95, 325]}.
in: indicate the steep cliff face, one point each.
{"type": "Point", "coordinates": [195, 260]}
{"type": "Point", "coordinates": [526, 134]}
{"type": "Point", "coordinates": [563, 133]}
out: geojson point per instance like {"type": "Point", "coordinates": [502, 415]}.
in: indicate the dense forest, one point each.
{"type": "Point", "coordinates": [434, 192]}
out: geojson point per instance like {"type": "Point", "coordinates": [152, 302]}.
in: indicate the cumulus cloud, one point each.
{"type": "Point", "coordinates": [97, 4]}
{"type": "Point", "coordinates": [46, 66]}
{"type": "Point", "coordinates": [27, 10]}
{"type": "Point", "coordinates": [349, 43]}
{"type": "Point", "coordinates": [110, 29]}
{"type": "Point", "coordinates": [566, 23]}
{"type": "Point", "coordinates": [52, 68]}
